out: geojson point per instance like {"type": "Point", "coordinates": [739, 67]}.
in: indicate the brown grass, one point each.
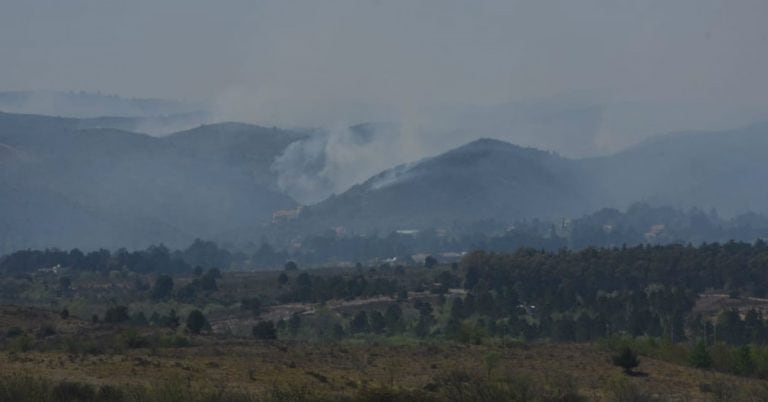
{"type": "Point", "coordinates": [341, 369]}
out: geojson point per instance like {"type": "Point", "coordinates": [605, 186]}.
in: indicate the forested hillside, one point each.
{"type": "Point", "coordinates": [68, 187]}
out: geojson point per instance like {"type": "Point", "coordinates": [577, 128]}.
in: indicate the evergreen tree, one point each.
{"type": "Point", "coordinates": [359, 323]}
{"type": "Point", "coordinates": [393, 316]}
{"type": "Point", "coordinates": [196, 321]}
{"type": "Point", "coordinates": [378, 322]}
{"type": "Point", "coordinates": [282, 279]}
{"type": "Point", "coordinates": [162, 288]}
{"type": "Point", "coordinates": [699, 356]}
{"type": "Point", "coordinates": [745, 365]}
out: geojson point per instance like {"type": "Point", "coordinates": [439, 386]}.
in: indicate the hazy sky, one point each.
{"type": "Point", "coordinates": [327, 62]}
{"type": "Point", "coordinates": [581, 77]}
{"type": "Point", "coordinates": [389, 51]}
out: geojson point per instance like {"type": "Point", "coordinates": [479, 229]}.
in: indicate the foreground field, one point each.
{"type": "Point", "coordinates": [344, 369]}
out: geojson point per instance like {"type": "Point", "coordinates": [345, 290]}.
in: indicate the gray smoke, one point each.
{"type": "Point", "coordinates": [330, 161]}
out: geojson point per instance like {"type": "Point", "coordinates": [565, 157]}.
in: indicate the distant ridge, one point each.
{"type": "Point", "coordinates": [102, 187]}
{"type": "Point", "coordinates": [492, 179]}
{"type": "Point", "coordinates": [482, 179]}
{"type": "Point", "coordinates": [68, 184]}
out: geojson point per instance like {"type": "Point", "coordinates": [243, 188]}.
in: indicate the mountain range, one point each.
{"type": "Point", "coordinates": [66, 186]}
{"type": "Point", "coordinates": [490, 179]}
{"type": "Point", "coordinates": [67, 182]}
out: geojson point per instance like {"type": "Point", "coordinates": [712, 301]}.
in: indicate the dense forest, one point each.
{"type": "Point", "coordinates": [646, 290]}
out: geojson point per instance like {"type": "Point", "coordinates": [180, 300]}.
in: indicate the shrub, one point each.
{"type": "Point", "coordinates": [393, 395]}
{"type": "Point", "coordinates": [196, 321]}
{"type": "Point", "coordinates": [45, 331]}
{"type": "Point", "coordinates": [723, 358]}
{"type": "Point", "coordinates": [265, 330]}
{"type": "Point", "coordinates": [22, 343]}
{"type": "Point", "coordinates": [252, 304]}
{"type": "Point", "coordinates": [626, 359]}
{"type": "Point", "coordinates": [699, 356]}
{"type": "Point", "coordinates": [175, 341]}
{"type": "Point", "coordinates": [132, 339]}
{"type": "Point", "coordinates": [722, 391]}
{"type": "Point", "coordinates": [162, 288]}
{"type": "Point", "coordinates": [622, 390]}
{"type": "Point", "coordinates": [13, 332]}
{"type": "Point", "coordinates": [110, 393]}
{"type": "Point", "coordinates": [744, 363]}
{"type": "Point", "coordinates": [67, 391]}
{"type": "Point", "coordinates": [116, 315]}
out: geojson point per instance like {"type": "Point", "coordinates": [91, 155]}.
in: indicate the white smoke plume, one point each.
{"type": "Point", "coordinates": [331, 161]}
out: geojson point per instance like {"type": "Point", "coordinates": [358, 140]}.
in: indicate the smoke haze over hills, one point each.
{"type": "Point", "coordinates": [359, 87]}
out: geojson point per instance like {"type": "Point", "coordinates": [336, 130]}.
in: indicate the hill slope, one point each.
{"type": "Point", "coordinates": [490, 179]}
{"type": "Point", "coordinates": [110, 188]}
{"type": "Point", "coordinates": [483, 179]}
{"type": "Point", "coordinates": [725, 170]}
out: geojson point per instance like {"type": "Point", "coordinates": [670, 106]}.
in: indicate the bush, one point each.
{"type": "Point", "coordinates": [393, 395]}
{"type": "Point", "coordinates": [626, 359]}
{"type": "Point", "coordinates": [22, 343]}
{"type": "Point", "coordinates": [744, 363]}
{"type": "Point", "coordinates": [175, 341]}
{"type": "Point", "coordinates": [622, 390]}
{"type": "Point", "coordinates": [67, 391]}
{"type": "Point", "coordinates": [699, 356]}
{"type": "Point", "coordinates": [196, 321]}
{"type": "Point", "coordinates": [723, 358]}
{"type": "Point", "coordinates": [265, 330]}
{"type": "Point", "coordinates": [252, 304]}
{"type": "Point", "coordinates": [45, 331]}
{"type": "Point", "coordinates": [110, 393]}
{"type": "Point", "coordinates": [162, 288]}
{"type": "Point", "coordinates": [13, 332]}
{"type": "Point", "coordinates": [722, 391]}
{"type": "Point", "coordinates": [463, 386]}
{"type": "Point", "coordinates": [131, 339]}
{"type": "Point", "coordinates": [116, 315]}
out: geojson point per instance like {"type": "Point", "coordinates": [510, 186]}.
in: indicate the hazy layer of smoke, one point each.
{"type": "Point", "coordinates": [445, 71]}
{"type": "Point", "coordinates": [331, 161]}
{"type": "Point", "coordinates": [89, 105]}
{"type": "Point", "coordinates": [574, 126]}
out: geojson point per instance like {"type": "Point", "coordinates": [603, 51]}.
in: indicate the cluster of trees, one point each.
{"type": "Point", "coordinates": [120, 315]}
{"type": "Point", "coordinates": [153, 259]}
{"type": "Point", "coordinates": [307, 287]}
{"type": "Point", "coordinates": [746, 360]}
{"type": "Point", "coordinates": [730, 266]}
{"type": "Point", "coordinates": [639, 224]}
{"type": "Point", "coordinates": [582, 295]}
{"type": "Point", "coordinates": [732, 328]}
{"type": "Point", "coordinates": [565, 295]}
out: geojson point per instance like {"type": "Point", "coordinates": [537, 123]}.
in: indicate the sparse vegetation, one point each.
{"type": "Point", "coordinates": [490, 302]}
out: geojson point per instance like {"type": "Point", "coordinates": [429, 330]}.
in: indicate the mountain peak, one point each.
{"type": "Point", "coordinates": [487, 142]}
{"type": "Point", "coordinates": [485, 147]}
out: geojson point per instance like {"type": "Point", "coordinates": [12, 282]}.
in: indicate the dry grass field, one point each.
{"type": "Point", "coordinates": [345, 368]}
